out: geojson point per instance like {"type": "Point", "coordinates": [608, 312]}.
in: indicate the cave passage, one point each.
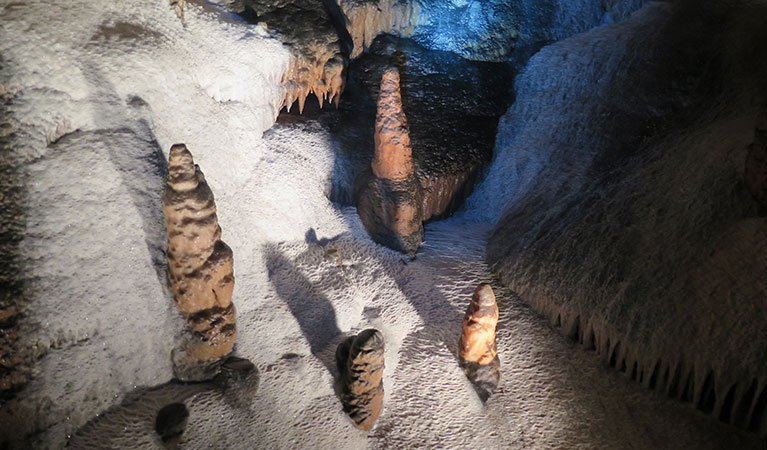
{"type": "Point", "coordinates": [452, 105]}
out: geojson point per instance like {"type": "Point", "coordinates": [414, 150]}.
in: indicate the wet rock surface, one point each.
{"type": "Point", "coordinates": [200, 267]}
{"type": "Point", "coordinates": [360, 361]}
{"type": "Point", "coordinates": [477, 350]}
{"type": "Point", "coordinates": [452, 105]}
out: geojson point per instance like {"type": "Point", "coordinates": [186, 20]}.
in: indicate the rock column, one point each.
{"type": "Point", "coordinates": [200, 264]}
{"type": "Point", "coordinates": [477, 351]}
{"type": "Point", "coordinates": [389, 195]}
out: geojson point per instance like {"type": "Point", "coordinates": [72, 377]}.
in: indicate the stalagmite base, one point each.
{"type": "Point", "coordinates": [360, 362]}
{"type": "Point", "coordinates": [477, 350]}
{"type": "Point", "coordinates": [200, 268]}
{"type": "Point", "coordinates": [389, 195]}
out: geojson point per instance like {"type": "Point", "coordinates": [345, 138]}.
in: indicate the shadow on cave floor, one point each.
{"type": "Point", "coordinates": [310, 307]}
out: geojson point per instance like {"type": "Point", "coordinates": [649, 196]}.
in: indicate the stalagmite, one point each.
{"type": "Point", "coordinates": [389, 195]}
{"type": "Point", "coordinates": [360, 362]}
{"type": "Point", "coordinates": [756, 162]}
{"type": "Point", "coordinates": [200, 264]}
{"type": "Point", "coordinates": [477, 350]}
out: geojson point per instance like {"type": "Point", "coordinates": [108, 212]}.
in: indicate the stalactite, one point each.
{"type": "Point", "coordinates": [366, 19]}
{"type": "Point", "coordinates": [704, 388]}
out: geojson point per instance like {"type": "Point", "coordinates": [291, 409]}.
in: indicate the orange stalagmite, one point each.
{"type": "Point", "coordinates": [477, 350]}
{"type": "Point", "coordinates": [393, 152]}
{"type": "Point", "coordinates": [389, 196]}
{"type": "Point", "coordinates": [200, 264]}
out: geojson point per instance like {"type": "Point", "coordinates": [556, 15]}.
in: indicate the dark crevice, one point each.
{"type": "Point", "coordinates": [725, 415]}
{"type": "Point", "coordinates": [707, 399]}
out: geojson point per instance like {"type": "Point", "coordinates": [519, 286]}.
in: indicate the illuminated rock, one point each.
{"type": "Point", "coordinates": [477, 350]}
{"type": "Point", "coordinates": [389, 195]}
{"type": "Point", "coordinates": [200, 264]}
{"type": "Point", "coordinates": [366, 19]}
{"type": "Point", "coordinates": [317, 61]}
{"type": "Point", "coordinates": [360, 363]}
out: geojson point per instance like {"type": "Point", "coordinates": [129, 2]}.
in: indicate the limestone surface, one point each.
{"type": "Point", "coordinates": [645, 245]}
{"type": "Point", "coordinates": [360, 362]}
{"type": "Point", "coordinates": [200, 264]}
{"type": "Point", "coordinates": [477, 349]}
{"type": "Point", "coordinates": [389, 195]}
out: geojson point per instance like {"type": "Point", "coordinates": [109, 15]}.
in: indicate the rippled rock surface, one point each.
{"type": "Point", "coordinates": [645, 244]}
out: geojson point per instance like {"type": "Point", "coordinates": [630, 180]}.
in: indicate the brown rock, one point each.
{"type": "Point", "coordinates": [389, 195]}
{"type": "Point", "coordinates": [360, 363]}
{"type": "Point", "coordinates": [477, 350]}
{"type": "Point", "coordinates": [756, 163]}
{"type": "Point", "coordinates": [200, 265]}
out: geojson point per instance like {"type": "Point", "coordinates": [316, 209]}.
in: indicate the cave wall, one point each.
{"type": "Point", "coordinates": [496, 30]}
{"type": "Point", "coordinates": [623, 216]}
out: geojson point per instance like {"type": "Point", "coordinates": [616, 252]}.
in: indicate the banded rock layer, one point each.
{"type": "Point", "coordinates": [200, 264]}
{"type": "Point", "coordinates": [360, 362]}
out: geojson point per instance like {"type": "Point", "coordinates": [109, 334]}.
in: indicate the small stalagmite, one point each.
{"type": "Point", "coordinates": [389, 195]}
{"type": "Point", "coordinates": [477, 350]}
{"type": "Point", "coordinates": [200, 264]}
{"type": "Point", "coordinates": [360, 362]}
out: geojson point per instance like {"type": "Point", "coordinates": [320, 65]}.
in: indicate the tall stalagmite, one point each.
{"type": "Point", "coordinates": [477, 350]}
{"type": "Point", "coordinates": [200, 264]}
{"type": "Point", "coordinates": [389, 195]}
{"type": "Point", "coordinates": [360, 362]}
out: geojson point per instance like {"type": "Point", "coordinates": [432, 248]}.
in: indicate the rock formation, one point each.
{"type": "Point", "coordinates": [389, 195]}
{"type": "Point", "coordinates": [318, 59]}
{"type": "Point", "coordinates": [199, 263]}
{"type": "Point", "coordinates": [756, 162]}
{"type": "Point", "coordinates": [366, 19]}
{"type": "Point", "coordinates": [360, 362]}
{"type": "Point", "coordinates": [644, 245]}
{"type": "Point", "coordinates": [452, 136]}
{"type": "Point", "coordinates": [477, 350]}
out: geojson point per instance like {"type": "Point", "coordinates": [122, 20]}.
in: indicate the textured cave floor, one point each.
{"type": "Point", "coordinates": [553, 393]}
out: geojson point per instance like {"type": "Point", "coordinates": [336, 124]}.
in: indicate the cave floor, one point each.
{"type": "Point", "coordinates": [553, 393]}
